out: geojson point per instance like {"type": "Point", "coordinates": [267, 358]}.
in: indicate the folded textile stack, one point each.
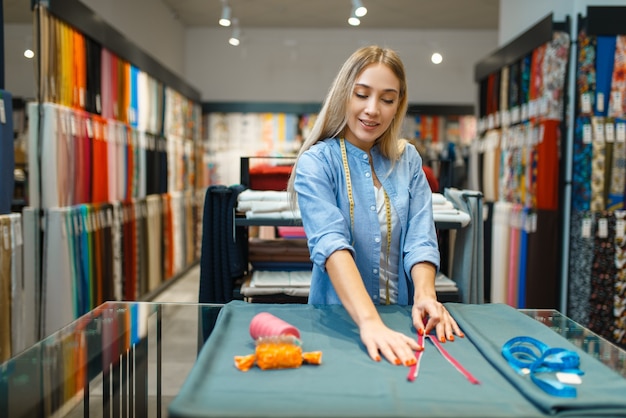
{"type": "Point", "coordinates": [266, 204]}
{"type": "Point", "coordinates": [275, 205]}
{"type": "Point", "coordinates": [444, 211]}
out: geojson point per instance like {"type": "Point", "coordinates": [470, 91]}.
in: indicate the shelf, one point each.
{"type": "Point", "coordinates": [298, 222]}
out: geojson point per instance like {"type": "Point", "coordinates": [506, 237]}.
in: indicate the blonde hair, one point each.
{"type": "Point", "coordinates": [331, 121]}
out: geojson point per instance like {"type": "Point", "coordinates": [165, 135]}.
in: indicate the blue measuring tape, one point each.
{"type": "Point", "coordinates": [527, 355]}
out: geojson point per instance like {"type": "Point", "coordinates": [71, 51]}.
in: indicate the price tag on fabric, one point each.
{"type": "Point", "coordinates": [603, 228]}
{"type": "Point", "coordinates": [598, 131]}
{"type": "Point", "coordinates": [619, 228]}
{"type": "Point", "coordinates": [600, 102]}
{"type": "Point", "coordinates": [586, 228]}
{"type": "Point", "coordinates": [616, 102]}
{"type": "Point", "coordinates": [585, 103]}
{"type": "Point", "coordinates": [609, 132]}
{"type": "Point", "coordinates": [587, 134]}
{"type": "Point", "coordinates": [620, 132]}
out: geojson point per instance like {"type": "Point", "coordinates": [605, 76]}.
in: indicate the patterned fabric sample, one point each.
{"type": "Point", "coordinates": [605, 57]}
{"type": "Point", "coordinates": [601, 318]}
{"type": "Point", "coordinates": [554, 68]}
{"type": "Point", "coordinates": [617, 100]}
{"type": "Point", "coordinates": [581, 172]}
{"type": "Point", "coordinates": [580, 260]}
{"type": "Point", "coordinates": [619, 297]}
{"type": "Point", "coordinates": [598, 165]}
{"type": "Point", "coordinates": [586, 77]}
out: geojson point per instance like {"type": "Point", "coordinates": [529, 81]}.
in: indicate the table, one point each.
{"type": "Point", "coordinates": [133, 358]}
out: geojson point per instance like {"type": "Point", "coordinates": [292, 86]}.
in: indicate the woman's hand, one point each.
{"type": "Point", "coordinates": [429, 314]}
{"type": "Point", "coordinates": [394, 346]}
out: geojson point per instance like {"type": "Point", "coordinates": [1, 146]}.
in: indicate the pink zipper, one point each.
{"type": "Point", "coordinates": [414, 370]}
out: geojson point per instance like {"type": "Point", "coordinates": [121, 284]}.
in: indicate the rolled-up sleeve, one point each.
{"type": "Point", "coordinates": [326, 227]}
{"type": "Point", "coordinates": [421, 238]}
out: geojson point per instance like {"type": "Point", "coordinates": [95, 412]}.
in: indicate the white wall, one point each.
{"type": "Point", "coordinates": [298, 65]}
{"type": "Point", "coordinates": [150, 25]}
{"type": "Point", "coordinates": [19, 72]}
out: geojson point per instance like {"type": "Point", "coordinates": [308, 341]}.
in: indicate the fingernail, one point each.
{"type": "Point", "coordinates": [420, 331]}
{"type": "Point", "coordinates": [377, 358]}
{"type": "Point", "coordinates": [451, 338]}
{"type": "Point", "coordinates": [442, 339]}
{"type": "Point", "coordinates": [461, 335]}
{"type": "Point", "coordinates": [398, 362]}
{"type": "Point", "coordinates": [410, 362]}
{"type": "Point", "coordinates": [420, 348]}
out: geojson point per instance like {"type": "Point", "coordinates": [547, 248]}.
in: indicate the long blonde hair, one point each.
{"type": "Point", "coordinates": [331, 120]}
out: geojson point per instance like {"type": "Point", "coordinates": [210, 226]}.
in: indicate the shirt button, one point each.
{"type": "Point", "coordinates": [364, 156]}
{"type": "Point", "coordinates": [377, 239]}
{"type": "Point", "coordinates": [367, 174]}
{"type": "Point", "coordinates": [375, 271]}
{"type": "Point", "coordinates": [372, 207]}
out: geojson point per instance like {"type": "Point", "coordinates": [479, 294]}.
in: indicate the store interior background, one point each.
{"type": "Point", "coordinates": [295, 64]}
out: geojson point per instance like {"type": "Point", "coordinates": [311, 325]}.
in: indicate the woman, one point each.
{"type": "Point", "coordinates": [366, 207]}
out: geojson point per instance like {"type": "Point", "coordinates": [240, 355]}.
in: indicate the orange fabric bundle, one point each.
{"type": "Point", "coordinates": [277, 353]}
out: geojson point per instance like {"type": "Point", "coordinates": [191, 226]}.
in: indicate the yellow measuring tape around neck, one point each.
{"type": "Point", "coordinates": [346, 169]}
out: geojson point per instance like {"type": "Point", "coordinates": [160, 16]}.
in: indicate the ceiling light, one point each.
{"type": "Point", "coordinates": [234, 38]}
{"type": "Point", "coordinates": [225, 19]}
{"type": "Point", "coordinates": [359, 9]}
{"type": "Point", "coordinates": [436, 58]}
{"type": "Point", "coordinates": [354, 20]}
{"type": "Point", "coordinates": [28, 53]}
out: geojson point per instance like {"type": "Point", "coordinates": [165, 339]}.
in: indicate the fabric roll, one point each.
{"type": "Point", "coordinates": [605, 59]}
{"type": "Point", "coordinates": [142, 247]}
{"type": "Point", "coordinates": [116, 231]}
{"type": "Point", "coordinates": [619, 297]}
{"type": "Point", "coordinates": [57, 283]}
{"type": "Point", "coordinates": [543, 261]}
{"type": "Point", "coordinates": [598, 167]}
{"type": "Point", "coordinates": [32, 306]}
{"type": "Point", "coordinates": [110, 137]}
{"type": "Point", "coordinates": [582, 231]}
{"type": "Point", "coordinates": [65, 157]}
{"type": "Point", "coordinates": [581, 165]}
{"type": "Point", "coordinates": [34, 169]}
{"type": "Point", "coordinates": [513, 264]}
{"type": "Point", "coordinates": [617, 99]}
{"type": "Point", "coordinates": [49, 166]}
{"type": "Point", "coordinates": [154, 241]}
{"type": "Point", "coordinates": [586, 73]}
{"type": "Point", "coordinates": [548, 166]}
{"type": "Point", "coordinates": [5, 289]}
{"type": "Point", "coordinates": [617, 175]}
{"type": "Point", "coordinates": [523, 259]}
{"type": "Point", "coordinates": [554, 70]}
{"type": "Point", "coordinates": [105, 222]}
{"type": "Point", "coordinates": [514, 250]}
{"type": "Point", "coordinates": [500, 251]}
{"type": "Point", "coordinates": [100, 181]}
{"type": "Point", "coordinates": [603, 272]}
{"type": "Point", "coordinates": [7, 154]}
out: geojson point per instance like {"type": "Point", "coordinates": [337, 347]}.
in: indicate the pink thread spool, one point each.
{"type": "Point", "coordinates": [264, 324]}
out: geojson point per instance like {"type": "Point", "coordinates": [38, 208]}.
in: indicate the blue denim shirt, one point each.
{"type": "Point", "coordinates": [320, 185]}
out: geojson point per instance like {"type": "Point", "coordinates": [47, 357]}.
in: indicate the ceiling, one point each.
{"type": "Point", "coordinates": [320, 14]}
